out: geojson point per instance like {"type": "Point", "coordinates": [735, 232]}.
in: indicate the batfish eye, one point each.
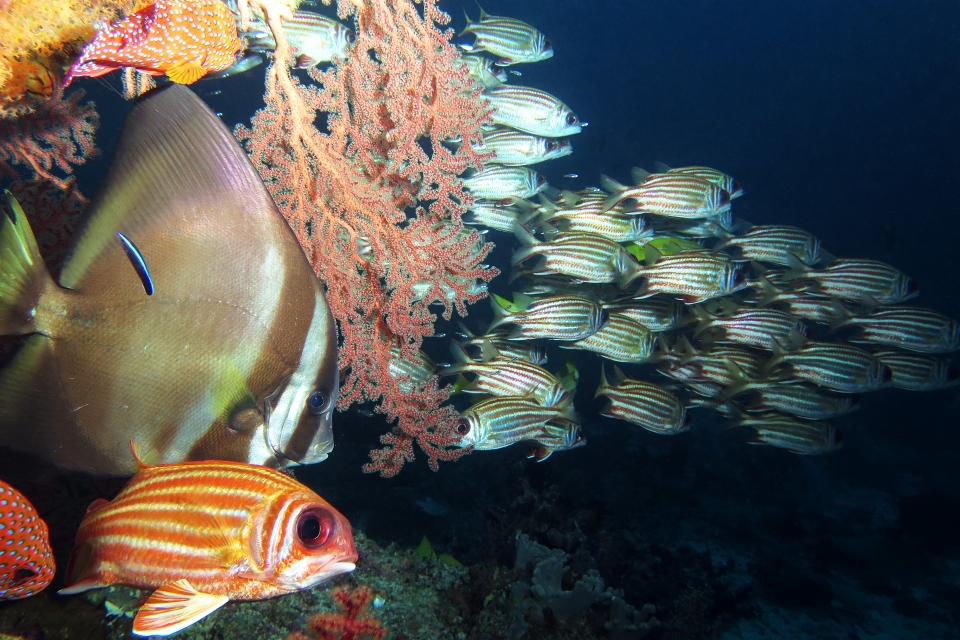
{"type": "Point", "coordinates": [314, 527]}
{"type": "Point", "coordinates": [351, 37]}
{"type": "Point", "coordinates": [462, 427]}
{"type": "Point", "coordinates": [316, 403]}
{"type": "Point", "coordinates": [572, 118]}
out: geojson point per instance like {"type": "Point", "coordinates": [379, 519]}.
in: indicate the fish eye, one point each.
{"type": "Point", "coordinates": [912, 285]}
{"type": "Point", "coordinates": [314, 527]}
{"type": "Point", "coordinates": [351, 37]}
{"type": "Point", "coordinates": [462, 427]}
{"type": "Point", "coordinates": [551, 145]}
{"type": "Point", "coordinates": [316, 403]}
{"type": "Point", "coordinates": [736, 186]}
{"type": "Point", "coordinates": [22, 574]}
{"type": "Point", "coordinates": [547, 44]}
{"type": "Point", "coordinates": [724, 197]}
{"type": "Point", "coordinates": [572, 119]}
{"type": "Point", "coordinates": [738, 276]}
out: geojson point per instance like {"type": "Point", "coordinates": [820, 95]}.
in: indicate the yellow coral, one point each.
{"type": "Point", "coordinates": [44, 36]}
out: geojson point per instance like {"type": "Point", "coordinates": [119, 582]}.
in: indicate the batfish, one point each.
{"type": "Point", "coordinates": [186, 316]}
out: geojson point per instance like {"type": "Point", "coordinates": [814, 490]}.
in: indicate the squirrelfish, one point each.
{"type": "Point", "coordinates": [517, 148]}
{"type": "Point", "coordinates": [622, 339]}
{"type": "Point", "coordinates": [911, 328]}
{"type": "Point", "coordinates": [585, 257]}
{"type": "Point", "coordinates": [754, 327]}
{"type": "Point", "coordinates": [836, 366]}
{"type": "Point", "coordinates": [918, 372]}
{"type": "Point", "coordinates": [185, 39]}
{"type": "Point", "coordinates": [501, 376]}
{"type": "Point", "coordinates": [531, 110]}
{"type": "Point", "coordinates": [513, 40]}
{"type": "Point", "coordinates": [672, 195]}
{"type": "Point", "coordinates": [642, 403]}
{"type": "Point", "coordinates": [481, 69]}
{"type": "Point", "coordinates": [804, 437]}
{"type": "Point", "coordinates": [719, 178]}
{"type": "Point", "coordinates": [499, 422]}
{"type": "Point", "coordinates": [776, 244]}
{"type": "Point", "coordinates": [659, 313]}
{"type": "Point", "coordinates": [186, 318]}
{"type": "Point", "coordinates": [557, 317]}
{"type": "Point", "coordinates": [855, 280]}
{"type": "Point", "coordinates": [802, 400]}
{"type": "Point", "coordinates": [691, 277]}
{"type": "Point", "coordinates": [26, 561]}
{"type": "Point", "coordinates": [207, 532]}
{"type": "Point", "coordinates": [313, 38]}
{"type": "Point", "coordinates": [495, 182]}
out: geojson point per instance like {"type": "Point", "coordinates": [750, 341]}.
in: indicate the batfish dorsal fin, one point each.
{"type": "Point", "coordinates": [177, 169]}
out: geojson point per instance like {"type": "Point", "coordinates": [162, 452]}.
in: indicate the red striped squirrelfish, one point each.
{"type": "Point", "coordinates": [26, 562]}
{"type": "Point", "coordinates": [185, 39]}
{"type": "Point", "coordinates": [204, 533]}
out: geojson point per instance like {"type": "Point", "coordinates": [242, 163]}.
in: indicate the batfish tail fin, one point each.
{"type": "Point", "coordinates": [23, 274]}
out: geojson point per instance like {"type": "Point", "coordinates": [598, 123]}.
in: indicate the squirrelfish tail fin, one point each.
{"type": "Point", "coordinates": [23, 274]}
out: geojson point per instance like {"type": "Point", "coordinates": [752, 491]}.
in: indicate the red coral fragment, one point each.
{"type": "Point", "coordinates": [350, 623]}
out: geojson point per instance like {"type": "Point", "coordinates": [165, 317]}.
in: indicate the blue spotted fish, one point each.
{"type": "Point", "coordinates": [26, 562]}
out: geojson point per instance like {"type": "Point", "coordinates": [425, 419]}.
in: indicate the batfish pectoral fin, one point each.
{"type": "Point", "coordinates": [174, 607]}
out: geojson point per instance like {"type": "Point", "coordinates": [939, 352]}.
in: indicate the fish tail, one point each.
{"type": "Point", "coordinates": [24, 273]}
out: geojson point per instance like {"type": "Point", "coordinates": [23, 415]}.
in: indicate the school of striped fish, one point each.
{"type": "Point", "coordinates": [760, 324]}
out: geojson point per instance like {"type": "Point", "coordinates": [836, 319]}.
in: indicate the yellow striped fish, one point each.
{"type": "Point", "coordinates": [671, 195]}
{"type": "Point", "coordinates": [836, 366]}
{"type": "Point", "coordinates": [513, 40]}
{"type": "Point", "coordinates": [916, 372]}
{"type": "Point", "coordinates": [204, 533]}
{"type": "Point", "coordinates": [642, 403]}
{"type": "Point", "coordinates": [557, 318]}
{"type": "Point", "coordinates": [496, 423]}
{"type": "Point", "coordinates": [518, 148]}
{"type": "Point", "coordinates": [776, 244]}
{"type": "Point", "coordinates": [856, 280]}
{"type": "Point", "coordinates": [804, 437]}
{"type": "Point", "coordinates": [801, 400]}
{"type": "Point", "coordinates": [753, 327]}
{"type": "Point", "coordinates": [531, 110]}
{"type": "Point", "coordinates": [691, 277]}
{"type": "Point", "coordinates": [585, 257]}
{"type": "Point", "coordinates": [719, 178]}
{"type": "Point", "coordinates": [623, 339]}
{"type": "Point", "coordinates": [497, 183]}
{"type": "Point", "coordinates": [910, 328]}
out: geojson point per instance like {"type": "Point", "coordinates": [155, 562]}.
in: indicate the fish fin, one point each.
{"type": "Point", "coordinates": [460, 356]}
{"type": "Point", "coordinates": [768, 291]}
{"type": "Point", "coordinates": [138, 263]}
{"type": "Point", "coordinates": [539, 453]}
{"type": "Point", "coordinates": [638, 175]}
{"type": "Point", "coordinates": [146, 458]}
{"type": "Point", "coordinates": [651, 254]}
{"type": "Point", "coordinates": [869, 303]}
{"type": "Point", "coordinates": [489, 351]}
{"type": "Point", "coordinates": [304, 61]}
{"type": "Point", "coordinates": [841, 316]}
{"type": "Point", "coordinates": [25, 275]}
{"type": "Point", "coordinates": [97, 504]}
{"type": "Point", "coordinates": [460, 385]}
{"type": "Point", "coordinates": [500, 313]}
{"type": "Point", "coordinates": [797, 268]}
{"type": "Point", "coordinates": [79, 587]}
{"type": "Point", "coordinates": [616, 192]}
{"type": "Point", "coordinates": [604, 383]}
{"type": "Point", "coordinates": [230, 393]}
{"type": "Point", "coordinates": [660, 167]}
{"type": "Point", "coordinates": [467, 334]}
{"type": "Point", "coordinates": [186, 73]}
{"type": "Point", "coordinates": [174, 607]}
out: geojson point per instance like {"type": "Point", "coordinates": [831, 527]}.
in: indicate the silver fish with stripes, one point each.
{"type": "Point", "coordinates": [917, 372]}
{"type": "Point", "coordinates": [615, 227]}
{"type": "Point", "coordinates": [514, 41]}
{"type": "Point", "coordinates": [671, 195]}
{"type": "Point", "coordinates": [585, 257]}
{"type": "Point", "coordinates": [753, 327]}
{"type": "Point", "coordinates": [910, 328]}
{"type": "Point", "coordinates": [836, 366]}
{"type": "Point", "coordinates": [659, 313]}
{"type": "Point", "coordinates": [480, 68]}
{"type": "Point", "coordinates": [719, 178]}
{"type": "Point", "coordinates": [801, 400]}
{"type": "Point", "coordinates": [776, 244]}
{"type": "Point", "coordinates": [411, 372]}
{"type": "Point", "coordinates": [497, 183]}
{"type": "Point", "coordinates": [533, 352]}
{"type": "Point", "coordinates": [313, 38]}
{"type": "Point", "coordinates": [856, 280]}
{"type": "Point", "coordinates": [531, 110]}
{"type": "Point", "coordinates": [812, 307]}
{"type": "Point", "coordinates": [560, 436]}
{"type": "Point", "coordinates": [804, 437]}
{"type": "Point", "coordinates": [499, 422]}
{"type": "Point", "coordinates": [499, 376]}
{"type": "Point", "coordinates": [642, 403]}
{"type": "Point", "coordinates": [554, 318]}
{"type": "Point", "coordinates": [623, 339]}
{"type": "Point", "coordinates": [691, 277]}
{"type": "Point", "coordinates": [518, 148]}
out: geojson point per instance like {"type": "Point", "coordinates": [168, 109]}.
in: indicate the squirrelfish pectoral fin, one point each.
{"type": "Point", "coordinates": [174, 607]}
{"type": "Point", "coordinates": [186, 73]}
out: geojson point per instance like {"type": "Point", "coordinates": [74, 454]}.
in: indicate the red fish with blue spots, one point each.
{"type": "Point", "coordinates": [26, 562]}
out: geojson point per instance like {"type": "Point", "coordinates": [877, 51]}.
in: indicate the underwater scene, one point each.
{"type": "Point", "coordinates": [421, 319]}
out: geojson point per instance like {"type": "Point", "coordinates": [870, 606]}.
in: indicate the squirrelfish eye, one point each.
{"type": "Point", "coordinates": [552, 145]}
{"type": "Point", "coordinates": [547, 44]}
{"type": "Point", "coordinates": [724, 197]}
{"type": "Point", "coordinates": [738, 276]}
{"type": "Point", "coordinates": [316, 403]}
{"type": "Point", "coordinates": [314, 527]}
{"type": "Point", "coordinates": [462, 427]}
{"type": "Point", "coordinates": [572, 119]}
